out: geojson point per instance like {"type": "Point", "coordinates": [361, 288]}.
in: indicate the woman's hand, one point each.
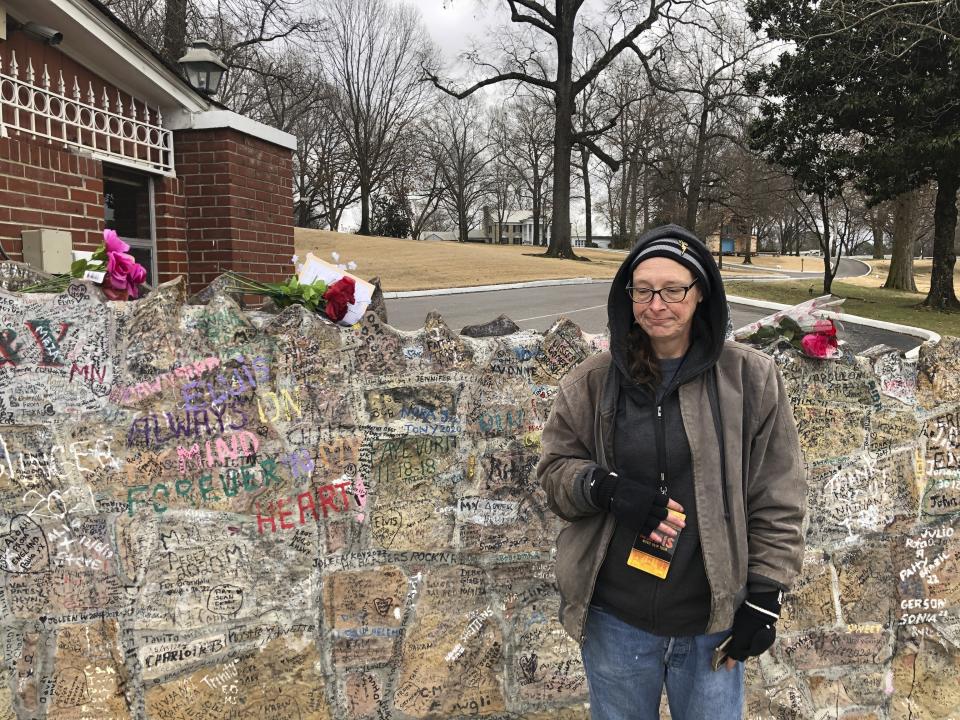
{"type": "Point", "coordinates": [668, 530]}
{"type": "Point", "coordinates": [640, 506]}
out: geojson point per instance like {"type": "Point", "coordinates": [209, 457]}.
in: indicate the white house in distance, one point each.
{"type": "Point", "coordinates": [516, 229]}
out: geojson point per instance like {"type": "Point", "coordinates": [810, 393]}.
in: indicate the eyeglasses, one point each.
{"type": "Point", "coordinates": [643, 296]}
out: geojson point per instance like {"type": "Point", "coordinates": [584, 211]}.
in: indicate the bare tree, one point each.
{"type": "Point", "coordinates": [625, 86]}
{"type": "Point", "coordinates": [523, 131]}
{"type": "Point", "coordinates": [502, 177]}
{"type": "Point", "coordinates": [418, 180]}
{"type": "Point", "coordinates": [461, 151]}
{"type": "Point", "coordinates": [705, 69]}
{"type": "Point", "coordinates": [372, 54]}
{"type": "Point", "coordinates": [325, 173]}
{"type": "Point", "coordinates": [831, 219]}
{"type": "Point", "coordinates": [628, 22]}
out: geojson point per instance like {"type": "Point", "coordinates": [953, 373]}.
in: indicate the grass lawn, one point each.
{"type": "Point", "coordinates": [420, 265]}
{"type": "Point", "coordinates": [872, 302]}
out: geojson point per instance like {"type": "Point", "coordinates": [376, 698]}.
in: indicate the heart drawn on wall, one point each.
{"type": "Point", "coordinates": [383, 605]}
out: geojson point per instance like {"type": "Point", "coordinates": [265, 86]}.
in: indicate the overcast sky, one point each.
{"type": "Point", "coordinates": [452, 27]}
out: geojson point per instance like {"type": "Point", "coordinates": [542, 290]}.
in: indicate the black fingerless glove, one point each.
{"type": "Point", "coordinates": [637, 505]}
{"type": "Point", "coordinates": [754, 625]}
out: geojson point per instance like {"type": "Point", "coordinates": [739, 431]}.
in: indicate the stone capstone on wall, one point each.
{"type": "Point", "coordinates": [207, 513]}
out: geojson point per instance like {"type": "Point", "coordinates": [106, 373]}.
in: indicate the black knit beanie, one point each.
{"type": "Point", "coordinates": [679, 251]}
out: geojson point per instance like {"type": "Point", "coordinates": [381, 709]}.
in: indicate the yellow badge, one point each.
{"type": "Point", "coordinates": [683, 246]}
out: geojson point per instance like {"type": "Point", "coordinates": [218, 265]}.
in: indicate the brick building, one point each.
{"type": "Point", "coordinates": [98, 131]}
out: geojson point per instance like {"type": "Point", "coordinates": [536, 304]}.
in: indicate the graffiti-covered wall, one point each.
{"type": "Point", "coordinates": [207, 513]}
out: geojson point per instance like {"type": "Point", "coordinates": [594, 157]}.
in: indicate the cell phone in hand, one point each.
{"type": "Point", "coordinates": [720, 653]}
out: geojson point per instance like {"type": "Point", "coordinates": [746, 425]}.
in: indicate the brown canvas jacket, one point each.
{"type": "Point", "coordinates": [762, 540]}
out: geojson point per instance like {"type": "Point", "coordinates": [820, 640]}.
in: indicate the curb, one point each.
{"type": "Point", "coordinates": [490, 288]}
{"type": "Point", "coordinates": [924, 334]}
{"type": "Point", "coordinates": [399, 294]}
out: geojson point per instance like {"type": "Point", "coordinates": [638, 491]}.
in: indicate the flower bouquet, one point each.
{"type": "Point", "coordinates": [110, 266]}
{"type": "Point", "coordinates": [810, 327]}
{"type": "Point", "coordinates": [333, 291]}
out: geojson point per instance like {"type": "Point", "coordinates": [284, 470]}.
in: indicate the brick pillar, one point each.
{"type": "Point", "coordinates": [238, 202]}
{"type": "Point", "coordinates": [170, 212]}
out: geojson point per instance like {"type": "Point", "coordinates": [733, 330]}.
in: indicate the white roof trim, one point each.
{"type": "Point", "coordinates": [95, 41]}
{"type": "Point", "coordinates": [213, 119]}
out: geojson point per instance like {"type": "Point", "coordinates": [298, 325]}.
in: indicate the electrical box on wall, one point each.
{"type": "Point", "coordinates": [3, 24]}
{"type": "Point", "coordinates": [48, 250]}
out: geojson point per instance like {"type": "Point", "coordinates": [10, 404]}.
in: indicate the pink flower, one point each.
{"type": "Point", "coordinates": [136, 276]}
{"type": "Point", "coordinates": [123, 276]}
{"type": "Point", "coordinates": [113, 243]}
{"type": "Point", "coordinates": [819, 346]}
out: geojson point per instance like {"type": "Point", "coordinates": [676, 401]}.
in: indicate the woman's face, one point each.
{"type": "Point", "coordinates": [666, 324]}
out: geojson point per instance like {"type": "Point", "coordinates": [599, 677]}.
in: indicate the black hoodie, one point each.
{"type": "Point", "coordinates": [646, 445]}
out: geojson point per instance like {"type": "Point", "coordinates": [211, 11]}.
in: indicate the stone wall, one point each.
{"type": "Point", "coordinates": [209, 514]}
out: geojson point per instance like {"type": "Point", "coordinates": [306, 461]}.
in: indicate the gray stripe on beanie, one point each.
{"type": "Point", "coordinates": [673, 246]}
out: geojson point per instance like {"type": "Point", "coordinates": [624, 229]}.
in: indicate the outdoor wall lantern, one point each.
{"type": "Point", "coordinates": [204, 70]}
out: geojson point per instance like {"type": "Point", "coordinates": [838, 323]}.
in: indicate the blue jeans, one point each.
{"type": "Point", "coordinates": [626, 669]}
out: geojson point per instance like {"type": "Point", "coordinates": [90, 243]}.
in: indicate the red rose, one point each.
{"type": "Point", "coordinates": [338, 296]}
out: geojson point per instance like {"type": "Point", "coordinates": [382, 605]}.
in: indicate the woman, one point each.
{"type": "Point", "coordinates": [672, 418]}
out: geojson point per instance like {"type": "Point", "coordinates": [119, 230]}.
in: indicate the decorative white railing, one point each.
{"type": "Point", "coordinates": [131, 137]}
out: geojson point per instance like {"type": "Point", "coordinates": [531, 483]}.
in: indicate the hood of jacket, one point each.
{"type": "Point", "coordinates": [709, 320]}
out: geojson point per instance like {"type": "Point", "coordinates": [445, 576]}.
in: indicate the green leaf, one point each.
{"type": "Point", "coordinates": [790, 324]}
{"type": "Point", "coordinates": [77, 268]}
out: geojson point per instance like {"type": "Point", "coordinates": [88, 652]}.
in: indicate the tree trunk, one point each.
{"type": "Point", "coordinates": [646, 192]}
{"type": "Point", "coordinates": [625, 171]}
{"type": "Point", "coordinates": [537, 209]}
{"type": "Point", "coordinates": [560, 233]}
{"type": "Point", "coordinates": [942, 295]}
{"type": "Point", "coordinates": [174, 31]}
{"type": "Point", "coordinates": [563, 133]}
{"type": "Point", "coordinates": [696, 173]}
{"type": "Point", "coordinates": [632, 203]}
{"type": "Point", "coordinates": [876, 229]}
{"type": "Point", "coordinates": [587, 203]}
{"type": "Point", "coordinates": [364, 208]}
{"type": "Point", "coordinates": [748, 253]}
{"type": "Point", "coordinates": [825, 245]}
{"type": "Point", "coordinates": [900, 276]}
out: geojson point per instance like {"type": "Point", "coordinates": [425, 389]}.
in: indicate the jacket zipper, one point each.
{"type": "Point", "coordinates": [661, 450]}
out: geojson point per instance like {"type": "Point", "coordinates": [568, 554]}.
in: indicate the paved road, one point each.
{"type": "Point", "coordinates": [537, 309]}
